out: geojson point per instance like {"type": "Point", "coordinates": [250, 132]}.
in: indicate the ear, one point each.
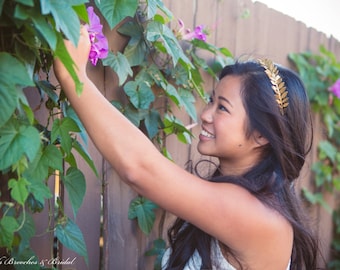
{"type": "Point", "coordinates": [260, 139]}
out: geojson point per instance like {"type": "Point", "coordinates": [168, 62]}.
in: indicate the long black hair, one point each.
{"type": "Point", "coordinates": [272, 179]}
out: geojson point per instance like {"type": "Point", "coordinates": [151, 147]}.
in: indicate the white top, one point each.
{"type": "Point", "coordinates": [218, 261]}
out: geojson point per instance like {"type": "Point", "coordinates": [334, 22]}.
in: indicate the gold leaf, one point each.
{"type": "Point", "coordinates": [278, 85]}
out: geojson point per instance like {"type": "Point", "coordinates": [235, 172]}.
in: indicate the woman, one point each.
{"type": "Point", "coordinates": [247, 216]}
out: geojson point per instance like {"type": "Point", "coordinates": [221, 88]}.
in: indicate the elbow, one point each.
{"type": "Point", "coordinates": [135, 176]}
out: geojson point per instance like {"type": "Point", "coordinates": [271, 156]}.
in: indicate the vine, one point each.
{"type": "Point", "coordinates": [158, 63]}
{"type": "Point", "coordinates": [321, 73]}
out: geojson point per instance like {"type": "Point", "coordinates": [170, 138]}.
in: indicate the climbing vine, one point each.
{"type": "Point", "coordinates": [158, 62]}
{"type": "Point", "coordinates": [321, 73]}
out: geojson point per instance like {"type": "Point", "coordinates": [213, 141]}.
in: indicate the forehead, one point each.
{"type": "Point", "coordinates": [229, 86]}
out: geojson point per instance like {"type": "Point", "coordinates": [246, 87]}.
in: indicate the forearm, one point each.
{"type": "Point", "coordinates": [128, 150]}
{"type": "Point", "coordinates": [120, 142]}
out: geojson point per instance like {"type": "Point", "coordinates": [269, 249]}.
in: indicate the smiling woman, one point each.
{"type": "Point", "coordinates": [257, 220]}
{"type": "Point", "coordinates": [237, 152]}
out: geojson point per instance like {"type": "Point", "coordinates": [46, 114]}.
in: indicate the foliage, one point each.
{"type": "Point", "coordinates": [320, 72]}
{"type": "Point", "coordinates": [154, 66]}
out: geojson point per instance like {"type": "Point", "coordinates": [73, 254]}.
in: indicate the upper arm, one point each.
{"type": "Point", "coordinates": [225, 211]}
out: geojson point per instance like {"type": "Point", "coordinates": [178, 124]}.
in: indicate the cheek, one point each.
{"type": "Point", "coordinates": [233, 128]}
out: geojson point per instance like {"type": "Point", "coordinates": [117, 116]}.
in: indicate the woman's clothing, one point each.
{"type": "Point", "coordinates": [218, 261]}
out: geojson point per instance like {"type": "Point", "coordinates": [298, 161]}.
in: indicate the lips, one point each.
{"type": "Point", "coordinates": [207, 134]}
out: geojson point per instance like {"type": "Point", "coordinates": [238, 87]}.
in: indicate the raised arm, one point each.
{"type": "Point", "coordinates": [137, 161]}
{"type": "Point", "coordinates": [120, 142]}
{"type": "Point", "coordinates": [222, 210]}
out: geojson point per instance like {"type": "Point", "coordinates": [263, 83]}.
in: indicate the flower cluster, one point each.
{"type": "Point", "coordinates": [335, 88]}
{"type": "Point", "coordinates": [99, 43]}
{"type": "Point", "coordinates": [187, 34]}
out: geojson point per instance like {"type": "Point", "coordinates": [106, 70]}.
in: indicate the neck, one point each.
{"type": "Point", "coordinates": [227, 169]}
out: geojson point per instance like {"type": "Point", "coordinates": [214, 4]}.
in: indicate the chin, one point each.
{"type": "Point", "coordinates": [202, 150]}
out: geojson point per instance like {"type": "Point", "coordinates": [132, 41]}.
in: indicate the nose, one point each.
{"type": "Point", "coordinates": [207, 114]}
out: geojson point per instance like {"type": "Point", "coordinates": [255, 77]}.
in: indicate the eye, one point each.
{"type": "Point", "coordinates": [222, 108]}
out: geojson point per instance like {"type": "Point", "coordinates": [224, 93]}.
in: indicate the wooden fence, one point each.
{"type": "Point", "coordinates": [113, 241]}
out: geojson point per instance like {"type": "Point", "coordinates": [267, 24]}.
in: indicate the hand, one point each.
{"type": "Point", "coordinates": [79, 54]}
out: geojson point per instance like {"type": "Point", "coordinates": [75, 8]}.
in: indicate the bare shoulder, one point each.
{"type": "Point", "coordinates": [260, 235]}
{"type": "Point", "coordinates": [226, 211]}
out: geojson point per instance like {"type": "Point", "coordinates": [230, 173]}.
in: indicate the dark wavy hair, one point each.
{"type": "Point", "coordinates": [271, 180]}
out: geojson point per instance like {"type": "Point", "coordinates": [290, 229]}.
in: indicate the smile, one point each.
{"type": "Point", "coordinates": [207, 134]}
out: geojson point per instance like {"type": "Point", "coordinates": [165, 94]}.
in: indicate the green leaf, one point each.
{"type": "Point", "coordinates": [85, 155]}
{"type": "Point", "coordinates": [159, 246]}
{"type": "Point", "coordinates": [152, 73]}
{"type": "Point", "coordinates": [158, 249]}
{"type": "Point", "coordinates": [141, 95]}
{"type": "Point", "coordinates": [172, 93]}
{"type": "Point", "coordinates": [166, 153]}
{"type": "Point", "coordinates": [62, 53]}
{"type": "Point", "coordinates": [49, 89]}
{"type": "Point", "coordinates": [316, 198]}
{"type": "Point", "coordinates": [156, 31]}
{"type": "Point", "coordinates": [132, 114]}
{"type": "Point", "coordinates": [39, 22]}
{"type": "Point", "coordinates": [327, 148]}
{"type": "Point", "coordinates": [26, 254]}
{"type": "Point", "coordinates": [119, 64]}
{"type": "Point", "coordinates": [202, 63]}
{"type": "Point", "coordinates": [27, 231]}
{"type": "Point", "coordinates": [8, 100]}
{"type": "Point", "coordinates": [81, 12]}
{"type": "Point", "coordinates": [49, 157]}
{"type": "Point", "coordinates": [71, 160]}
{"type": "Point", "coordinates": [61, 9]}
{"type": "Point", "coordinates": [19, 190]}
{"type": "Point", "coordinates": [197, 81]}
{"type": "Point", "coordinates": [16, 140]}
{"type": "Point", "coordinates": [173, 125]}
{"type": "Point", "coordinates": [188, 101]}
{"type": "Point", "coordinates": [61, 129]}
{"type": "Point", "coordinates": [75, 185]}
{"type": "Point", "coordinates": [211, 48]}
{"type": "Point", "coordinates": [8, 225]}
{"type": "Point", "coordinates": [26, 54]}
{"type": "Point", "coordinates": [40, 191]}
{"type": "Point", "coordinates": [152, 121]}
{"type": "Point", "coordinates": [142, 209]}
{"type": "Point", "coordinates": [26, 2]}
{"type": "Point", "coordinates": [114, 11]}
{"type": "Point", "coordinates": [69, 112]}
{"type": "Point", "coordinates": [152, 8]}
{"type": "Point", "coordinates": [13, 71]}
{"type": "Point", "coordinates": [28, 113]}
{"type": "Point", "coordinates": [69, 234]}
{"type": "Point", "coordinates": [136, 49]}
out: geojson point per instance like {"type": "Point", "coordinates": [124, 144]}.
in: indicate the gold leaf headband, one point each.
{"type": "Point", "coordinates": [278, 86]}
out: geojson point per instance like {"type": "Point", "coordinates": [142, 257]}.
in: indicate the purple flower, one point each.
{"type": "Point", "coordinates": [335, 88]}
{"type": "Point", "coordinates": [99, 44]}
{"type": "Point", "coordinates": [186, 34]}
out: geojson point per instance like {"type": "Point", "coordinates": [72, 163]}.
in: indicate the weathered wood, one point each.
{"type": "Point", "coordinates": [265, 32]}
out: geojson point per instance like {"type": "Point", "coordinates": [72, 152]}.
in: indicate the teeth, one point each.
{"type": "Point", "coordinates": [207, 134]}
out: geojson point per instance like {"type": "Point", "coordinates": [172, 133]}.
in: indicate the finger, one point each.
{"type": "Point", "coordinates": [83, 31]}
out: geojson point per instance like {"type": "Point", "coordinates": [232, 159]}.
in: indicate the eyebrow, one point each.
{"type": "Point", "coordinates": [222, 98]}
{"type": "Point", "coordinates": [226, 100]}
